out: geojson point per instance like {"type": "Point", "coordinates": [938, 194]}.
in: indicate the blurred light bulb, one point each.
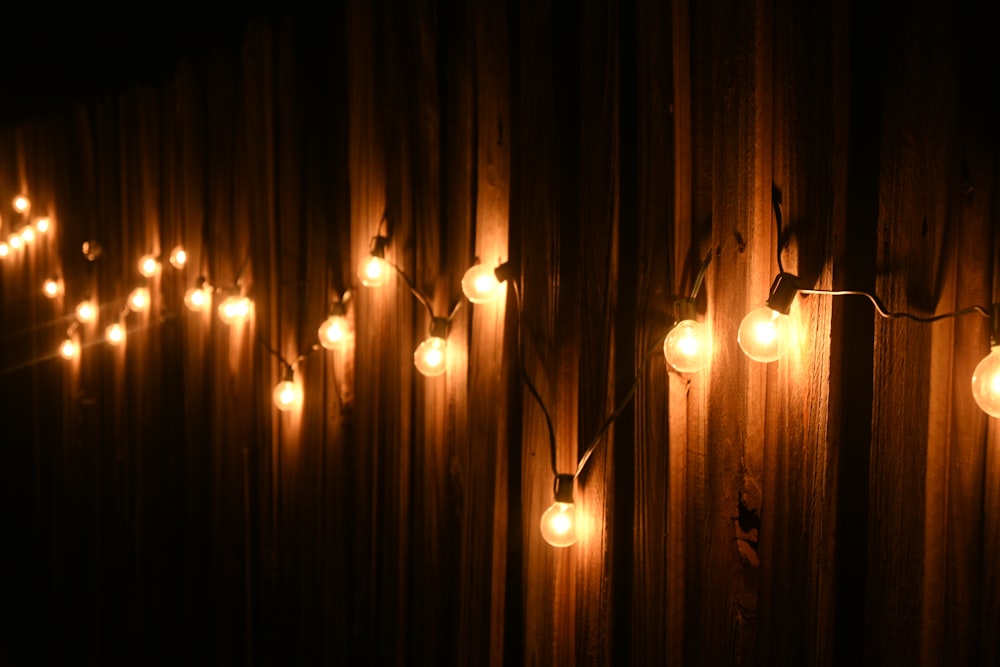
{"type": "Point", "coordinates": [373, 271]}
{"type": "Point", "coordinates": [986, 383]}
{"type": "Point", "coordinates": [334, 331]}
{"type": "Point", "coordinates": [86, 312]}
{"type": "Point", "coordinates": [115, 334]}
{"type": "Point", "coordinates": [480, 284]}
{"type": "Point", "coordinates": [198, 298]}
{"type": "Point", "coordinates": [4, 249]}
{"type": "Point", "coordinates": [148, 265]}
{"type": "Point", "coordinates": [69, 349]}
{"type": "Point", "coordinates": [430, 358]}
{"type": "Point", "coordinates": [52, 288]}
{"type": "Point", "coordinates": [21, 203]}
{"type": "Point", "coordinates": [178, 257]}
{"type": "Point", "coordinates": [558, 524]}
{"type": "Point", "coordinates": [15, 241]}
{"type": "Point", "coordinates": [688, 347]}
{"type": "Point", "coordinates": [764, 334]}
{"type": "Point", "coordinates": [28, 235]}
{"type": "Point", "coordinates": [138, 300]}
{"type": "Point", "coordinates": [42, 225]}
{"type": "Point", "coordinates": [234, 309]}
{"type": "Point", "coordinates": [287, 395]}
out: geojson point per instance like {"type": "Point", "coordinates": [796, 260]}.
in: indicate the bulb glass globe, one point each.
{"type": "Point", "coordinates": [480, 284]}
{"type": "Point", "coordinates": [688, 347]}
{"type": "Point", "coordinates": [15, 241]}
{"type": "Point", "coordinates": [85, 311]}
{"type": "Point", "coordinates": [986, 383]}
{"type": "Point", "coordinates": [138, 300]}
{"type": "Point", "coordinates": [373, 271]}
{"type": "Point", "coordinates": [287, 395]}
{"type": "Point", "coordinates": [42, 225]}
{"type": "Point", "coordinates": [4, 249]}
{"type": "Point", "coordinates": [148, 266]}
{"type": "Point", "coordinates": [430, 356]}
{"type": "Point", "coordinates": [197, 299]}
{"type": "Point", "coordinates": [234, 309]}
{"type": "Point", "coordinates": [558, 524]}
{"type": "Point", "coordinates": [178, 257]}
{"type": "Point", "coordinates": [115, 334]}
{"type": "Point", "coordinates": [69, 349]}
{"type": "Point", "coordinates": [333, 332]}
{"type": "Point", "coordinates": [21, 203]}
{"type": "Point", "coordinates": [28, 235]}
{"type": "Point", "coordinates": [52, 288]}
{"type": "Point", "coordinates": [764, 333]}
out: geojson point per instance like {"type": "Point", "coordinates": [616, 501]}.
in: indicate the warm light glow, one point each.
{"type": "Point", "coordinates": [558, 524]}
{"type": "Point", "coordinates": [480, 284]}
{"type": "Point", "coordinates": [287, 395]}
{"type": "Point", "coordinates": [69, 349]}
{"type": "Point", "coordinates": [15, 241]}
{"type": "Point", "coordinates": [148, 265]}
{"type": "Point", "coordinates": [115, 334]}
{"type": "Point", "coordinates": [28, 235]}
{"type": "Point", "coordinates": [52, 288]}
{"type": "Point", "coordinates": [334, 331]}
{"type": "Point", "coordinates": [764, 334]}
{"type": "Point", "coordinates": [42, 225]}
{"type": "Point", "coordinates": [430, 357]}
{"type": "Point", "coordinates": [138, 300]}
{"type": "Point", "coordinates": [198, 298]}
{"type": "Point", "coordinates": [4, 249]}
{"type": "Point", "coordinates": [86, 312]}
{"type": "Point", "coordinates": [986, 383]}
{"type": "Point", "coordinates": [234, 309]}
{"type": "Point", "coordinates": [688, 347]}
{"type": "Point", "coordinates": [178, 257]}
{"type": "Point", "coordinates": [373, 271]}
{"type": "Point", "coordinates": [21, 203]}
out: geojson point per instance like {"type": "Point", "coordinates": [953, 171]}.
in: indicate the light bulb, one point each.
{"type": "Point", "coordinates": [52, 288]}
{"type": "Point", "coordinates": [234, 309]}
{"type": "Point", "coordinates": [21, 203]}
{"type": "Point", "coordinates": [688, 347]}
{"type": "Point", "coordinates": [480, 284]}
{"type": "Point", "coordinates": [763, 334]}
{"type": "Point", "coordinates": [85, 311]}
{"type": "Point", "coordinates": [430, 358]}
{"type": "Point", "coordinates": [148, 265]}
{"type": "Point", "coordinates": [334, 331]}
{"type": "Point", "coordinates": [69, 349]}
{"type": "Point", "coordinates": [198, 298]}
{"type": "Point", "coordinates": [15, 241]}
{"type": "Point", "coordinates": [4, 249]}
{"type": "Point", "coordinates": [287, 395]}
{"type": "Point", "coordinates": [373, 271]}
{"type": "Point", "coordinates": [178, 257]}
{"type": "Point", "coordinates": [28, 235]}
{"type": "Point", "coordinates": [42, 225]}
{"type": "Point", "coordinates": [986, 383]}
{"type": "Point", "coordinates": [558, 524]}
{"type": "Point", "coordinates": [138, 300]}
{"type": "Point", "coordinates": [115, 334]}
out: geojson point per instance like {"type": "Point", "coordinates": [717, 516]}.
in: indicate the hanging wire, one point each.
{"type": "Point", "coordinates": [700, 278]}
{"type": "Point", "coordinates": [531, 385]}
{"type": "Point", "coordinates": [890, 315]}
{"type": "Point", "coordinates": [413, 289]}
{"type": "Point", "coordinates": [776, 204]}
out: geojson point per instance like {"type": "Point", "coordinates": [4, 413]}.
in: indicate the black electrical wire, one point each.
{"type": "Point", "coordinates": [890, 315]}
{"type": "Point", "coordinates": [700, 277]}
{"type": "Point", "coordinates": [776, 204]}
{"type": "Point", "coordinates": [413, 289]}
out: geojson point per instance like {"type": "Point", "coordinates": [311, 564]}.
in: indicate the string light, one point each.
{"type": "Point", "coordinates": [559, 523]}
{"type": "Point", "coordinates": [86, 311]}
{"type": "Point", "coordinates": [986, 377]}
{"type": "Point", "coordinates": [28, 235]}
{"type": "Point", "coordinates": [234, 309]}
{"type": "Point", "coordinates": [374, 270]}
{"type": "Point", "coordinates": [42, 225]}
{"type": "Point", "coordinates": [764, 332]}
{"type": "Point", "coordinates": [69, 349]}
{"type": "Point", "coordinates": [4, 249]}
{"type": "Point", "coordinates": [178, 257]}
{"type": "Point", "coordinates": [335, 329]}
{"type": "Point", "coordinates": [21, 204]}
{"type": "Point", "coordinates": [138, 300]}
{"type": "Point", "coordinates": [198, 298]}
{"type": "Point", "coordinates": [431, 357]}
{"type": "Point", "coordinates": [15, 241]}
{"type": "Point", "coordinates": [52, 288]}
{"type": "Point", "coordinates": [287, 394]}
{"type": "Point", "coordinates": [115, 334]}
{"type": "Point", "coordinates": [687, 347]}
{"type": "Point", "coordinates": [148, 266]}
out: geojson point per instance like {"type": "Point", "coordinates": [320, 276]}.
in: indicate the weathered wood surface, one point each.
{"type": "Point", "coordinates": [839, 506]}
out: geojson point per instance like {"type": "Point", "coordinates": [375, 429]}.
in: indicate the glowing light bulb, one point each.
{"type": "Point", "coordinates": [430, 358]}
{"type": "Point", "coordinates": [69, 349]}
{"type": "Point", "coordinates": [148, 265]}
{"type": "Point", "coordinates": [115, 334]}
{"type": "Point", "coordinates": [178, 257]}
{"type": "Point", "coordinates": [28, 235]}
{"type": "Point", "coordinates": [138, 300]}
{"type": "Point", "coordinates": [986, 383]}
{"type": "Point", "coordinates": [764, 333]}
{"type": "Point", "coordinates": [234, 309]}
{"type": "Point", "coordinates": [21, 203]}
{"type": "Point", "coordinates": [42, 225]}
{"type": "Point", "coordinates": [287, 395]}
{"type": "Point", "coordinates": [334, 331]}
{"type": "Point", "coordinates": [86, 312]}
{"type": "Point", "coordinates": [15, 241]}
{"type": "Point", "coordinates": [688, 347]}
{"type": "Point", "coordinates": [480, 284]}
{"type": "Point", "coordinates": [374, 271]}
{"type": "Point", "coordinates": [198, 298]}
{"type": "Point", "coordinates": [558, 524]}
{"type": "Point", "coordinates": [4, 249]}
{"type": "Point", "coordinates": [52, 288]}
